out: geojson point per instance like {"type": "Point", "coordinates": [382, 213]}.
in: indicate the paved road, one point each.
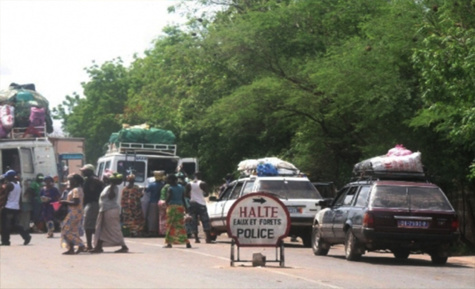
{"type": "Point", "coordinates": [148, 265]}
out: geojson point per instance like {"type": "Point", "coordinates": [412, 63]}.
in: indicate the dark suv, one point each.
{"type": "Point", "coordinates": [400, 216]}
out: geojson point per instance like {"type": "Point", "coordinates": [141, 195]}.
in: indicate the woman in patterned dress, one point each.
{"type": "Point", "coordinates": [132, 215]}
{"type": "Point", "coordinates": [176, 232]}
{"type": "Point", "coordinates": [71, 225]}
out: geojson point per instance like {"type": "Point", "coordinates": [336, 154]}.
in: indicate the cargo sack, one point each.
{"type": "Point", "coordinates": [132, 135]}
{"type": "Point", "coordinates": [3, 132]}
{"type": "Point", "coordinates": [266, 169]}
{"type": "Point", "coordinates": [37, 116]}
{"type": "Point", "coordinates": [407, 163]}
{"type": "Point", "coordinates": [22, 114]}
{"type": "Point", "coordinates": [7, 116]}
{"type": "Point", "coordinates": [159, 136]}
{"type": "Point", "coordinates": [398, 151]}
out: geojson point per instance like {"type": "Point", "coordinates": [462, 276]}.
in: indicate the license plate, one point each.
{"type": "Point", "coordinates": [412, 224]}
{"type": "Point", "coordinates": [293, 210]}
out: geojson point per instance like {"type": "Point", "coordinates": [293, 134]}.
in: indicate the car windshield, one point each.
{"type": "Point", "coordinates": [413, 198]}
{"type": "Point", "coordinates": [289, 189]}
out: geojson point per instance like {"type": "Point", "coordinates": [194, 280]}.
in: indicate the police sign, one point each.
{"type": "Point", "coordinates": [258, 219]}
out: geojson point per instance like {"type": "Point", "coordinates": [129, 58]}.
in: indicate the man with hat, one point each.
{"type": "Point", "coordinates": [153, 190]}
{"type": "Point", "coordinates": [12, 209]}
{"type": "Point", "coordinates": [92, 190]}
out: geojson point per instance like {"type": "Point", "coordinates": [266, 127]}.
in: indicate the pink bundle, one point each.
{"type": "Point", "coordinates": [398, 151]}
{"type": "Point", "coordinates": [7, 116]}
{"type": "Point", "coordinates": [37, 116]}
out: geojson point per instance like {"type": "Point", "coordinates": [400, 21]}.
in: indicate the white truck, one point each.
{"type": "Point", "coordinates": [28, 155]}
{"type": "Point", "coordinates": [142, 159]}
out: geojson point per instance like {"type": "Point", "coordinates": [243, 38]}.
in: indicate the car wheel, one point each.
{"type": "Point", "coordinates": [352, 252]}
{"type": "Point", "coordinates": [401, 253]}
{"type": "Point", "coordinates": [319, 246]}
{"type": "Point", "coordinates": [438, 259]}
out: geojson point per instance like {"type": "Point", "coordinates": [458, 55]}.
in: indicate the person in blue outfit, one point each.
{"type": "Point", "coordinates": [11, 211]}
{"type": "Point", "coordinates": [153, 190]}
{"type": "Point", "coordinates": [49, 194]}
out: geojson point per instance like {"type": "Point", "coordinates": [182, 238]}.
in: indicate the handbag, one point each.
{"type": "Point", "coordinates": [61, 212]}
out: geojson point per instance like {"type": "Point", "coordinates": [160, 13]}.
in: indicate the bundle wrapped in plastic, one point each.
{"type": "Point", "coordinates": [282, 167]}
{"type": "Point", "coordinates": [404, 163]}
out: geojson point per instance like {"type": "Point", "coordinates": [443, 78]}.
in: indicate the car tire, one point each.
{"type": "Point", "coordinates": [352, 251]}
{"type": "Point", "coordinates": [401, 254]}
{"type": "Point", "coordinates": [319, 246]}
{"type": "Point", "coordinates": [438, 259]}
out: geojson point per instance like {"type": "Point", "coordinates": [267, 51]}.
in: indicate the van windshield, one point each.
{"type": "Point", "coordinates": [289, 189]}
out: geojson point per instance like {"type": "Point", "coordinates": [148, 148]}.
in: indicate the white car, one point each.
{"type": "Point", "coordinates": [298, 194]}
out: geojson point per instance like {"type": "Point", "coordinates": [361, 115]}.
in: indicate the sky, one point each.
{"type": "Point", "coordinates": [50, 42]}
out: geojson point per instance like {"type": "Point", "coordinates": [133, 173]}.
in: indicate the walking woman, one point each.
{"type": "Point", "coordinates": [176, 232]}
{"type": "Point", "coordinates": [49, 194]}
{"type": "Point", "coordinates": [108, 230]}
{"type": "Point", "coordinates": [132, 215]}
{"type": "Point", "coordinates": [71, 225]}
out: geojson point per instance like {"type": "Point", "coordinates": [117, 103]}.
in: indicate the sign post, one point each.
{"type": "Point", "coordinates": [258, 220]}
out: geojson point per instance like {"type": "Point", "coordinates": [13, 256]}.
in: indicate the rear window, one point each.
{"type": "Point", "coordinates": [137, 168]}
{"type": "Point", "coordinates": [413, 198]}
{"type": "Point", "coordinates": [289, 189]}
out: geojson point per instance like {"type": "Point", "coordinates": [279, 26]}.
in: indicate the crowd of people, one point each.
{"type": "Point", "coordinates": [174, 207]}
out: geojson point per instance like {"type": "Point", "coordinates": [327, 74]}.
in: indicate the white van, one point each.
{"type": "Point", "coordinates": [28, 157]}
{"type": "Point", "coordinates": [142, 159]}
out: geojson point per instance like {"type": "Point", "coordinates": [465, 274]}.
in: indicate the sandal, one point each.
{"type": "Point", "coordinates": [81, 249]}
{"type": "Point", "coordinates": [122, 250]}
{"type": "Point", "coordinates": [95, 250]}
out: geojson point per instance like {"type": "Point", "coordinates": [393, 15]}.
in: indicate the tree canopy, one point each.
{"type": "Point", "coordinates": [323, 84]}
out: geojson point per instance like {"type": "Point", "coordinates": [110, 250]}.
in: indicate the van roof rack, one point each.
{"type": "Point", "coordinates": [390, 175]}
{"type": "Point", "coordinates": [148, 148]}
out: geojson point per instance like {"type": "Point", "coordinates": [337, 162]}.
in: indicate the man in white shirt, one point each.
{"type": "Point", "coordinates": [12, 210]}
{"type": "Point", "coordinates": [196, 191]}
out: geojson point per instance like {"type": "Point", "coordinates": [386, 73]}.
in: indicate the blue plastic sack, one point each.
{"type": "Point", "coordinates": [266, 169]}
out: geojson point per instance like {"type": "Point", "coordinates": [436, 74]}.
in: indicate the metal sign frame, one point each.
{"type": "Point", "coordinates": [275, 213]}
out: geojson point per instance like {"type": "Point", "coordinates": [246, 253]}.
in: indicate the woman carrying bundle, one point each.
{"type": "Point", "coordinates": [108, 230]}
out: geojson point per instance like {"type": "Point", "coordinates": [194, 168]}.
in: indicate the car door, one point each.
{"type": "Point", "coordinates": [215, 209]}
{"type": "Point", "coordinates": [341, 211]}
{"type": "Point", "coordinates": [358, 209]}
{"type": "Point", "coordinates": [326, 223]}
{"type": "Point", "coordinates": [233, 196]}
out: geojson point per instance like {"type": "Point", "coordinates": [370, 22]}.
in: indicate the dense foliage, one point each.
{"type": "Point", "coordinates": [321, 83]}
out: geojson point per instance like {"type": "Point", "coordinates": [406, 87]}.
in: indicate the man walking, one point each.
{"type": "Point", "coordinates": [11, 211]}
{"type": "Point", "coordinates": [196, 191]}
{"type": "Point", "coordinates": [153, 190]}
{"type": "Point", "coordinates": [92, 190]}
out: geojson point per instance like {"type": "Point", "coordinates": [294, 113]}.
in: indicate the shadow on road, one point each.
{"type": "Point", "coordinates": [391, 261]}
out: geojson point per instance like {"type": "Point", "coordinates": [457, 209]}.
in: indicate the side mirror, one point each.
{"type": "Point", "coordinates": [212, 198]}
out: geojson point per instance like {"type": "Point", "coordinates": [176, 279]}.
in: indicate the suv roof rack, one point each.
{"type": "Point", "coordinates": [390, 175]}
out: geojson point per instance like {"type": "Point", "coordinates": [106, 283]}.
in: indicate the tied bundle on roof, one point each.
{"type": "Point", "coordinates": [268, 166]}
{"type": "Point", "coordinates": [398, 159]}
{"type": "Point", "coordinates": [26, 106]}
